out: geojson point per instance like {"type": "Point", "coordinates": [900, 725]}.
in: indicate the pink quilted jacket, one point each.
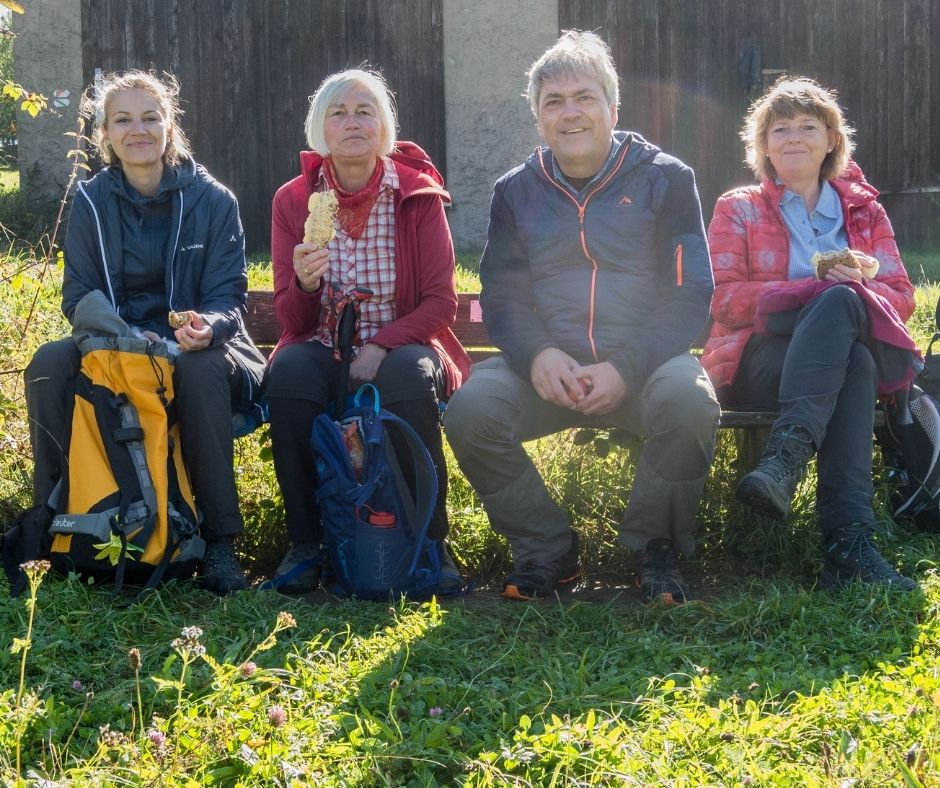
{"type": "Point", "coordinates": [750, 251]}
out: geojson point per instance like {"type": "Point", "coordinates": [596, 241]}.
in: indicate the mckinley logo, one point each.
{"type": "Point", "coordinates": [625, 201]}
{"type": "Point", "coordinates": [191, 247]}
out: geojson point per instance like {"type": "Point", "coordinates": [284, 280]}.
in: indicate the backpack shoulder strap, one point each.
{"type": "Point", "coordinates": [425, 478]}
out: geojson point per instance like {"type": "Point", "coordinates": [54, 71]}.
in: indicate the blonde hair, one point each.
{"type": "Point", "coordinates": [787, 98]}
{"type": "Point", "coordinates": [165, 91]}
{"type": "Point", "coordinates": [575, 52]}
{"type": "Point", "coordinates": [329, 92]}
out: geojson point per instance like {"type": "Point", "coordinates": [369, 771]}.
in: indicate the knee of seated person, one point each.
{"type": "Point", "coordinates": [51, 362]}
{"type": "Point", "coordinates": [840, 296]}
{"type": "Point", "coordinates": [408, 363]}
{"type": "Point", "coordinates": [288, 362]}
{"type": "Point", "coordinates": [685, 405]}
{"type": "Point", "coordinates": [201, 365]}
{"type": "Point", "coordinates": [470, 418]}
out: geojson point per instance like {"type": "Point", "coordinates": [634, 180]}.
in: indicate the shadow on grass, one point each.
{"type": "Point", "coordinates": [471, 686]}
{"type": "Point", "coordinates": [491, 668]}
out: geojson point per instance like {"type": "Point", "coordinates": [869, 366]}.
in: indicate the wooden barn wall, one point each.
{"type": "Point", "coordinates": [681, 61]}
{"type": "Point", "coordinates": [247, 69]}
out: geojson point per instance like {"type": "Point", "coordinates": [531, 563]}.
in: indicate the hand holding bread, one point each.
{"type": "Point", "coordinates": [824, 262]}
{"type": "Point", "coordinates": [179, 319]}
{"type": "Point", "coordinates": [319, 228]}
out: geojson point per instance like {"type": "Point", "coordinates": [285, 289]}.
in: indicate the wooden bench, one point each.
{"type": "Point", "coordinates": [264, 329]}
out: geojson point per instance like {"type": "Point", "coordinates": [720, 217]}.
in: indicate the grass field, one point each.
{"type": "Point", "coordinates": [9, 178]}
{"type": "Point", "coordinates": [764, 680]}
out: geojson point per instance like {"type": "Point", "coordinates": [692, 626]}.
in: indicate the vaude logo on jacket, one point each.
{"type": "Point", "coordinates": [190, 247]}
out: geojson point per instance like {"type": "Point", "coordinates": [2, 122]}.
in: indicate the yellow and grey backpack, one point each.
{"type": "Point", "coordinates": [125, 508]}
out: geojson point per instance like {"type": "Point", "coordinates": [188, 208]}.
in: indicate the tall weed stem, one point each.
{"type": "Point", "coordinates": [35, 571]}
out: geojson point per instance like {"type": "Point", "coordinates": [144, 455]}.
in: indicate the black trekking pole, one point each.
{"type": "Point", "coordinates": [346, 333]}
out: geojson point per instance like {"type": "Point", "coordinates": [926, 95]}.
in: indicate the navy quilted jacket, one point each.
{"type": "Point", "coordinates": [619, 273]}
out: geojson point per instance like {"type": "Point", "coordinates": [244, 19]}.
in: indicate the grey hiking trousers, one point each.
{"type": "Point", "coordinates": [490, 416]}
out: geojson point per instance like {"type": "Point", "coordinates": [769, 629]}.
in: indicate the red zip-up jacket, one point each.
{"type": "Point", "coordinates": [750, 252]}
{"type": "Point", "coordinates": [426, 296]}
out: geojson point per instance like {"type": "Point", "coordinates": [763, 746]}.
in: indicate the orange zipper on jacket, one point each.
{"type": "Point", "coordinates": [678, 265]}
{"type": "Point", "coordinates": [584, 247]}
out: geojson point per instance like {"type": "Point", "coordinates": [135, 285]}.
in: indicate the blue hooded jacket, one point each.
{"type": "Point", "coordinates": [205, 259]}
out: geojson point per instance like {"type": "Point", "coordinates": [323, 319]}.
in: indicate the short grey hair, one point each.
{"type": "Point", "coordinates": [332, 88]}
{"type": "Point", "coordinates": [576, 52]}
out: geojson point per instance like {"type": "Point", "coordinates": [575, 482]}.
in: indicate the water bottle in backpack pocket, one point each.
{"type": "Point", "coordinates": [382, 552]}
{"type": "Point", "coordinates": [375, 529]}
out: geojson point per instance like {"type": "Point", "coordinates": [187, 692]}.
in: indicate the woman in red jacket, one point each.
{"type": "Point", "coordinates": [391, 237]}
{"type": "Point", "coordinates": [814, 362]}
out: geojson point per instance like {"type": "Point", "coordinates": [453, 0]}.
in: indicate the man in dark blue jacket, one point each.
{"type": "Point", "coordinates": [595, 282]}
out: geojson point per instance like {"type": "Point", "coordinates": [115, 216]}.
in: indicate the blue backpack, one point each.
{"type": "Point", "coordinates": [375, 530]}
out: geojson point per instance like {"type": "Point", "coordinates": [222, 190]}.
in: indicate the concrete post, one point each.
{"type": "Point", "coordinates": [488, 47]}
{"type": "Point", "coordinates": [48, 57]}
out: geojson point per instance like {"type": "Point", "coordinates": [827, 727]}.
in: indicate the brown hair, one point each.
{"type": "Point", "coordinates": [787, 98]}
{"type": "Point", "coordinates": [165, 91]}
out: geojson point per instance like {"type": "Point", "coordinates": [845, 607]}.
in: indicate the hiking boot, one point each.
{"type": "Point", "coordinates": [769, 488]}
{"type": "Point", "coordinates": [301, 570]}
{"type": "Point", "coordinates": [452, 581]}
{"type": "Point", "coordinates": [659, 575]}
{"type": "Point", "coordinates": [850, 556]}
{"type": "Point", "coordinates": [219, 570]}
{"type": "Point", "coordinates": [530, 581]}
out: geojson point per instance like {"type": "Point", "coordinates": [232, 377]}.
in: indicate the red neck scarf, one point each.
{"type": "Point", "coordinates": [354, 207]}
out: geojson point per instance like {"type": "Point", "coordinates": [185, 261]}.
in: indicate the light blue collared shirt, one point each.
{"type": "Point", "coordinates": [821, 231]}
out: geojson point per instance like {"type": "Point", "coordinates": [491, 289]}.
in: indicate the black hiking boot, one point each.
{"type": "Point", "coordinates": [452, 581]}
{"type": "Point", "coordinates": [531, 581]}
{"type": "Point", "coordinates": [219, 570]}
{"type": "Point", "coordinates": [659, 576]}
{"type": "Point", "coordinates": [849, 556]}
{"type": "Point", "coordinates": [769, 488]}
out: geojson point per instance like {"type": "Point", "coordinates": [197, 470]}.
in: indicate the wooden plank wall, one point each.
{"type": "Point", "coordinates": [681, 87]}
{"type": "Point", "coordinates": [247, 69]}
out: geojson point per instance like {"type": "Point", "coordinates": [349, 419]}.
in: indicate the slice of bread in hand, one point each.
{"type": "Point", "coordinates": [824, 261]}
{"type": "Point", "coordinates": [179, 319]}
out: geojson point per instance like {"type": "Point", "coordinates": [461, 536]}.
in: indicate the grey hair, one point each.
{"type": "Point", "coordinates": [332, 88]}
{"type": "Point", "coordinates": [575, 52]}
{"type": "Point", "coordinates": [166, 92]}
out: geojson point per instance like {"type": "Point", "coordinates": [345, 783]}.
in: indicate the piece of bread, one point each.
{"type": "Point", "coordinates": [319, 229]}
{"type": "Point", "coordinates": [179, 319]}
{"type": "Point", "coordinates": [824, 261]}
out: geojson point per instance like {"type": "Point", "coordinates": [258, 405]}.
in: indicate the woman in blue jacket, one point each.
{"type": "Point", "coordinates": [155, 233]}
